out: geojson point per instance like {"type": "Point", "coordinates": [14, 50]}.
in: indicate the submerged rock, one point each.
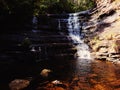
{"type": "Point", "coordinates": [56, 82]}
{"type": "Point", "coordinates": [45, 72]}
{"type": "Point", "coordinates": [18, 84]}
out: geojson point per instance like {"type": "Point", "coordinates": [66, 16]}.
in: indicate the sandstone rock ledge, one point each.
{"type": "Point", "coordinates": [104, 34]}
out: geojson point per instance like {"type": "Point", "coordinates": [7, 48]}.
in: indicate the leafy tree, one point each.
{"type": "Point", "coordinates": [36, 7]}
{"type": "Point", "coordinates": [61, 6]}
{"type": "Point", "coordinates": [22, 10]}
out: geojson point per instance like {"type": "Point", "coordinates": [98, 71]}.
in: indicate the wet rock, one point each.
{"type": "Point", "coordinates": [75, 78]}
{"type": "Point", "coordinates": [101, 56]}
{"type": "Point", "coordinates": [101, 46]}
{"type": "Point", "coordinates": [58, 88]}
{"type": "Point", "coordinates": [106, 51]}
{"type": "Point", "coordinates": [18, 84]}
{"type": "Point", "coordinates": [117, 42]}
{"type": "Point", "coordinates": [45, 72]}
{"type": "Point", "coordinates": [56, 82]}
{"type": "Point", "coordinates": [114, 56]}
{"type": "Point", "coordinates": [76, 88]}
{"type": "Point", "coordinates": [41, 88]}
{"type": "Point", "coordinates": [106, 35]}
{"type": "Point", "coordinates": [26, 43]}
{"type": "Point", "coordinates": [112, 49]}
{"type": "Point", "coordinates": [53, 85]}
{"type": "Point", "coordinates": [92, 75]}
{"type": "Point", "coordinates": [115, 84]}
{"type": "Point", "coordinates": [117, 89]}
{"type": "Point", "coordinates": [39, 80]}
{"type": "Point", "coordinates": [83, 86]}
{"type": "Point", "coordinates": [59, 84]}
{"type": "Point", "coordinates": [103, 50]}
{"type": "Point", "coordinates": [92, 81]}
{"type": "Point", "coordinates": [82, 79]}
{"type": "Point", "coordinates": [118, 62]}
{"type": "Point", "coordinates": [100, 87]}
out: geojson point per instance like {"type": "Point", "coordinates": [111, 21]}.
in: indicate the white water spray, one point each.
{"type": "Point", "coordinates": [34, 22]}
{"type": "Point", "coordinates": [59, 25]}
{"type": "Point", "coordinates": [75, 34]}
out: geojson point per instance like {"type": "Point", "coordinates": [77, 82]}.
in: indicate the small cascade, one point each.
{"type": "Point", "coordinates": [74, 30]}
{"type": "Point", "coordinates": [59, 25]}
{"type": "Point", "coordinates": [34, 22]}
{"type": "Point", "coordinates": [73, 24]}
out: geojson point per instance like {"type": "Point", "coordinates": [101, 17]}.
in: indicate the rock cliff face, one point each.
{"type": "Point", "coordinates": [103, 27]}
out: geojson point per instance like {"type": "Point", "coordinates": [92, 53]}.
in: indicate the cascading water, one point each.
{"type": "Point", "coordinates": [83, 54]}
{"type": "Point", "coordinates": [74, 30]}
{"type": "Point", "coordinates": [34, 22]}
{"type": "Point", "coordinates": [59, 26]}
{"type": "Point", "coordinates": [72, 23]}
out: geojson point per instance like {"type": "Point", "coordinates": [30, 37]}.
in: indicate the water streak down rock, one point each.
{"type": "Point", "coordinates": [73, 24]}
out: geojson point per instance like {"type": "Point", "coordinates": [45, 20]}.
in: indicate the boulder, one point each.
{"type": "Point", "coordinates": [18, 84]}
{"type": "Point", "coordinates": [117, 48]}
{"type": "Point", "coordinates": [45, 72]}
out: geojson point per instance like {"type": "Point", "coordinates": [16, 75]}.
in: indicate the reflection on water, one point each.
{"type": "Point", "coordinates": [83, 66]}
{"type": "Point", "coordinates": [85, 75]}
{"type": "Point", "coordinates": [83, 60]}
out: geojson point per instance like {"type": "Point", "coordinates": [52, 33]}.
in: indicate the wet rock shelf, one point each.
{"type": "Point", "coordinates": [41, 44]}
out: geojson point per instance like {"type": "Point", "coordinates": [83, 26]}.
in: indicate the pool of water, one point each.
{"type": "Point", "coordinates": [84, 74]}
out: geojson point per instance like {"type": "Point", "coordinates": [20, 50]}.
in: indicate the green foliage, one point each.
{"type": "Point", "coordinates": [23, 9]}
{"type": "Point", "coordinates": [61, 6]}
{"type": "Point", "coordinates": [43, 6]}
{"type": "Point", "coordinates": [83, 5]}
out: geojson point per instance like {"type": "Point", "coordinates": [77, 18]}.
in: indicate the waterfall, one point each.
{"type": "Point", "coordinates": [74, 30]}
{"type": "Point", "coordinates": [59, 25]}
{"type": "Point", "coordinates": [34, 22]}
{"type": "Point", "coordinates": [73, 24]}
